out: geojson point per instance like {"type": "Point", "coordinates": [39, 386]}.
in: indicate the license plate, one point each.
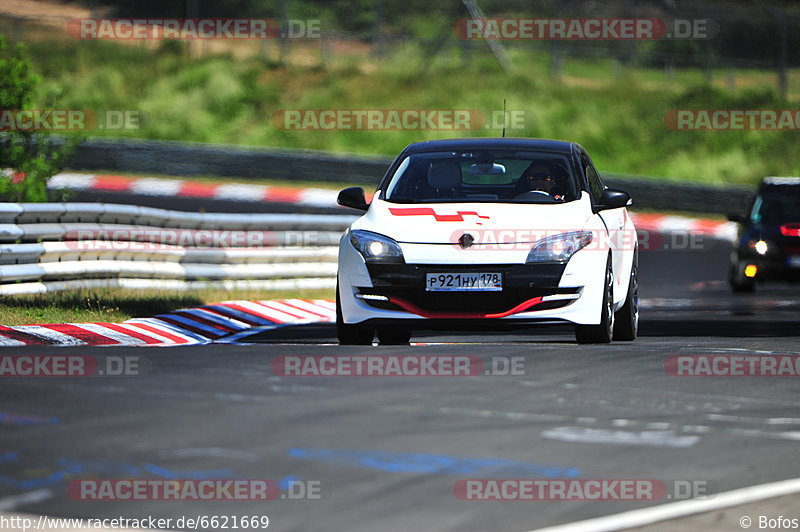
{"type": "Point", "coordinates": [794, 261]}
{"type": "Point", "coordinates": [464, 282]}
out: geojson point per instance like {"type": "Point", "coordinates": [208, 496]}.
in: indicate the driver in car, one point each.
{"type": "Point", "coordinates": [542, 178]}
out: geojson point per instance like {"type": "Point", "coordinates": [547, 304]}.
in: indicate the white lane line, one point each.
{"type": "Point", "coordinates": [783, 421]}
{"type": "Point", "coordinates": [30, 497]}
{"type": "Point", "coordinates": [663, 512]}
{"type": "Point", "coordinates": [653, 438]}
{"type": "Point", "coordinates": [208, 452]}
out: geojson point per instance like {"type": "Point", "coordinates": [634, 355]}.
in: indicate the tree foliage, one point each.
{"type": "Point", "coordinates": [28, 158]}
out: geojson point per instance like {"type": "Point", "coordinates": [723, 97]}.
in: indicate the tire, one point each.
{"type": "Point", "coordinates": [394, 335]}
{"type": "Point", "coordinates": [351, 334]}
{"type": "Point", "coordinates": [626, 321]}
{"type": "Point", "coordinates": [602, 333]}
{"type": "Point", "coordinates": [739, 283]}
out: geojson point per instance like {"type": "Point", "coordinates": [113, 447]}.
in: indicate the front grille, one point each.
{"type": "Point", "coordinates": [520, 283]}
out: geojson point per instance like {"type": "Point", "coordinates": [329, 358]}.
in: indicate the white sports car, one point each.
{"type": "Point", "coordinates": [469, 234]}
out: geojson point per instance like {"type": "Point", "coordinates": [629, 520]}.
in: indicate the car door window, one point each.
{"type": "Point", "coordinates": [596, 186]}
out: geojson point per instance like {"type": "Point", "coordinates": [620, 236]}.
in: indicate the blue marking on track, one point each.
{"type": "Point", "coordinates": [7, 418]}
{"type": "Point", "coordinates": [285, 482]}
{"type": "Point", "coordinates": [11, 456]}
{"type": "Point", "coordinates": [432, 463]}
{"type": "Point", "coordinates": [43, 481]}
{"type": "Point", "coordinates": [68, 468]}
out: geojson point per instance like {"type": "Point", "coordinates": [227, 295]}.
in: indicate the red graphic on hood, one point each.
{"type": "Point", "coordinates": [427, 211]}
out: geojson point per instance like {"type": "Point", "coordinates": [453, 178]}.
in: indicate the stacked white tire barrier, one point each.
{"type": "Point", "coordinates": [63, 246]}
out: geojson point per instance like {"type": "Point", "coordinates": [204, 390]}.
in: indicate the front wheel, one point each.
{"type": "Point", "coordinates": [351, 334]}
{"type": "Point", "coordinates": [626, 321]}
{"type": "Point", "coordinates": [602, 333]}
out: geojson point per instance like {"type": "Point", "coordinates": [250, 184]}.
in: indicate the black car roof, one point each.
{"type": "Point", "coordinates": [774, 182]}
{"type": "Point", "coordinates": [558, 146]}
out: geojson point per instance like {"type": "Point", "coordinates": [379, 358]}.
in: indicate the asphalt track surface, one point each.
{"type": "Point", "coordinates": [388, 451]}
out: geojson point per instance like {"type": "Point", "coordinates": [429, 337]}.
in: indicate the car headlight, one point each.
{"type": "Point", "coordinates": [376, 248]}
{"type": "Point", "coordinates": [759, 246]}
{"type": "Point", "coordinates": [559, 248]}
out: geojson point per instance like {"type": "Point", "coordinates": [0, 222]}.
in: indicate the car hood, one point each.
{"type": "Point", "coordinates": [444, 223]}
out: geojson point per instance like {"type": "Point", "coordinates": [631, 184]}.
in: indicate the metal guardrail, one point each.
{"type": "Point", "coordinates": [60, 246]}
{"type": "Point", "coordinates": [39, 213]}
{"type": "Point", "coordinates": [196, 159]}
{"type": "Point", "coordinates": [654, 194]}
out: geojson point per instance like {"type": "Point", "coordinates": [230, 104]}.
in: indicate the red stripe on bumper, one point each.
{"type": "Point", "coordinates": [414, 309]}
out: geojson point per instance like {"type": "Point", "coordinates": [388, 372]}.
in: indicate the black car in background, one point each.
{"type": "Point", "coordinates": [768, 244]}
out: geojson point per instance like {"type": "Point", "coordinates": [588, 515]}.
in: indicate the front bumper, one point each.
{"type": "Point", "coordinates": [778, 268]}
{"type": "Point", "coordinates": [532, 293]}
{"type": "Point", "coordinates": [524, 286]}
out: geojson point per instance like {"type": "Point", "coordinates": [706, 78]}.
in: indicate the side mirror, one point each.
{"type": "Point", "coordinates": [738, 218]}
{"type": "Point", "coordinates": [354, 198]}
{"type": "Point", "coordinates": [614, 199]}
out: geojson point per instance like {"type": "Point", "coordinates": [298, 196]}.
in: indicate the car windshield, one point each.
{"type": "Point", "coordinates": [776, 208]}
{"type": "Point", "coordinates": [483, 176]}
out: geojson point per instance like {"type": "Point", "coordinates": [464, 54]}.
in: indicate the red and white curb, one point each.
{"type": "Point", "coordinates": [152, 186]}
{"type": "Point", "coordinates": [226, 322]}
{"type": "Point", "coordinates": [201, 325]}
{"type": "Point", "coordinates": [661, 223]}
{"type": "Point", "coordinates": [318, 197]}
